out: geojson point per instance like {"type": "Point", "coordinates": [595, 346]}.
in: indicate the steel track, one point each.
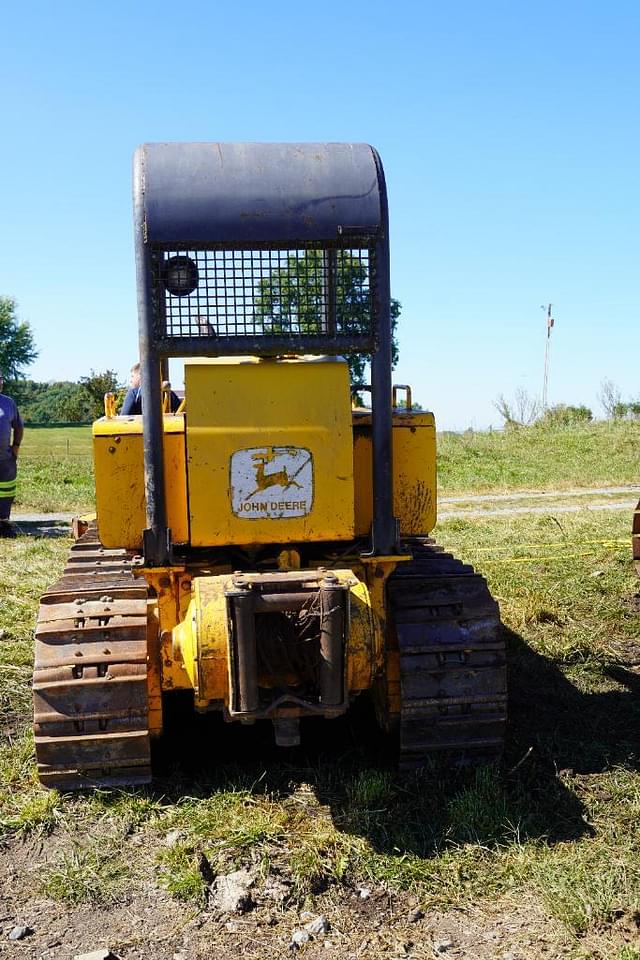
{"type": "Point", "coordinates": [452, 660]}
{"type": "Point", "coordinates": [90, 675]}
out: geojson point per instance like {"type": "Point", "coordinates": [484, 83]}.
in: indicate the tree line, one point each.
{"type": "Point", "coordinates": [62, 402]}
{"type": "Point", "coordinates": [525, 410]}
{"type": "Point", "coordinates": [292, 298]}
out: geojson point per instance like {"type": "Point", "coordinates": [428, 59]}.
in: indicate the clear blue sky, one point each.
{"type": "Point", "coordinates": [508, 130]}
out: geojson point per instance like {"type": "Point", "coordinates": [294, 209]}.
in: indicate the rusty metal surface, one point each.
{"type": "Point", "coordinates": [635, 539]}
{"type": "Point", "coordinates": [452, 661]}
{"type": "Point", "coordinates": [79, 526]}
{"type": "Point", "coordinates": [90, 685]}
{"type": "Point", "coordinates": [295, 649]}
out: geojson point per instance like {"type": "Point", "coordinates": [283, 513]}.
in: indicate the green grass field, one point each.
{"type": "Point", "coordinates": [56, 472]}
{"type": "Point", "coordinates": [540, 458]}
{"type": "Point", "coordinates": [558, 822]}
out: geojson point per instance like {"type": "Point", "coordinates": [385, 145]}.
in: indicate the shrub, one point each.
{"type": "Point", "coordinates": [627, 411]}
{"type": "Point", "coordinates": [565, 414]}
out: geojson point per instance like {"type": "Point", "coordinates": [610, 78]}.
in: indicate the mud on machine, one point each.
{"type": "Point", "coordinates": [267, 546]}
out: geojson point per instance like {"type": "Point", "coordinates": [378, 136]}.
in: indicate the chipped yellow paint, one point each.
{"type": "Point", "coordinates": [414, 472]}
{"type": "Point", "coordinates": [213, 638]}
{"type": "Point", "coordinates": [200, 641]}
{"type": "Point", "coordinates": [154, 669]}
{"type": "Point", "coordinates": [119, 470]}
{"type": "Point", "coordinates": [110, 405]}
{"type": "Point", "coordinates": [252, 427]}
{"type": "Point", "coordinates": [260, 407]}
{"type": "Point", "coordinates": [365, 636]}
{"type": "Point", "coordinates": [171, 591]}
{"type": "Point", "coordinates": [386, 656]}
{"type": "Point", "coordinates": [289, 560]}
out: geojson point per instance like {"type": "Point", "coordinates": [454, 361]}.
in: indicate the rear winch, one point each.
{"type": "Point", "coordinates": [274, 645]}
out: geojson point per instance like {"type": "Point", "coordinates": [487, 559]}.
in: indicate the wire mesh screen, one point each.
{"type": "Point", "coordinates": [265, 292]}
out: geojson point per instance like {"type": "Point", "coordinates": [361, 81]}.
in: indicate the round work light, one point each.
{"type": "Point", "coordinates": [180, 276]}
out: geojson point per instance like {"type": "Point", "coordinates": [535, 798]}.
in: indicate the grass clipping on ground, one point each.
{"type": "Point", "coordinates": [561, 818]}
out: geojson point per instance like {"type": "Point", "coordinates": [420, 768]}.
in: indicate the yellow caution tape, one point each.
{"type": "Point", "coordinates": [556, 556]}
{"type": "Point", "coordinates": [606, 543]}
{"type": "Point", "coordinates": [553, 557]}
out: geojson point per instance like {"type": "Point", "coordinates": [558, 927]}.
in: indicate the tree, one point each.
{"type": "Point", "coordinates": [614, 406]}
{"type": "Point", "coordinates": [626, 410]}
{"type": "Point", "coordinates": [292, 300]}
{"type": "Point", "coordinates": [94, 387]}
{"type": "Point", "coordinates": [63, 401]}
{"type": "Point", "coordinates": [17, 349]}
{"type": "Point", "coordinates": [521, 412]}
{"type": "Point", "coordinates": [610, 398]}
{"type": "Point", "coordinates": [60, 402]}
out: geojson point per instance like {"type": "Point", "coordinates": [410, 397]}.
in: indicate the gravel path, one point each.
{"type": "Point", "coordinates": [542, 501]}
{"type": "Point", "coordinates": [552, 507]}
{"type": "Point", "coordinates": [469, 505]}
{"type": "Point", "coordinates": [43, 524]}
{"type": "Point", "coordinates": [540, 494]}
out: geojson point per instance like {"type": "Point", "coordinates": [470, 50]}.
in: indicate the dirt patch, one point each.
{"type": "Point", "coordinates": [632, 604]}
{"type": "Point", "coordinates": [622, 930]}
{"type": "Point", "coordinates": [360, 922]}
{"type": "Point", "coordinates": [151, 924]}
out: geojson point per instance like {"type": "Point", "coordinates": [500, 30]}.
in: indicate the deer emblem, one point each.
{"type": "Point", "coordinates": [276, 478]}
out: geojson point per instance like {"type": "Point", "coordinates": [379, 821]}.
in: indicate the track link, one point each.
{"type": "Point", "coordinates": [635, 538]}
{"type": "Point", "coordinates": [90, 675]}
{"type": "Point", "coordinates": [452, 660]}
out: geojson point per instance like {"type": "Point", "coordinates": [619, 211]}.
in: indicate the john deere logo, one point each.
{"type": "Point", "coordinates": [271, 482]}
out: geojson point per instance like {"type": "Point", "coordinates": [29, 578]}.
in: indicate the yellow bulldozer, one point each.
{"type": "Point", "coordinates": [266, 547]}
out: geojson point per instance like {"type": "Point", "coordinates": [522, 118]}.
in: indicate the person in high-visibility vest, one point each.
{"type": "Point", "coordinates": [11, 431]}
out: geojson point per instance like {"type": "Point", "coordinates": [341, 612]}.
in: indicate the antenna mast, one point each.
{"type": "Point", "coordinates": [547, 346]}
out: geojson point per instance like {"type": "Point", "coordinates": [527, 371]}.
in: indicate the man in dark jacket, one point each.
{"type": "Point", "coordinates": [132, 404]}
{"type": "Point", "coordinates": [133, 400]}
{"type": "Point", "coordinates": [11, 431]}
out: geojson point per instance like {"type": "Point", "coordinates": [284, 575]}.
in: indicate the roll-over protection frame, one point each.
{"type": "Point", "coordinates": [211, 221]}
